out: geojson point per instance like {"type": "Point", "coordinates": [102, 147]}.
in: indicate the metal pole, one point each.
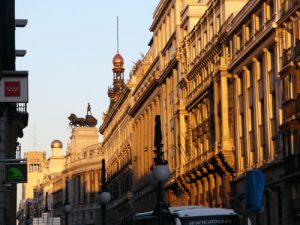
{"type": "Point", "coordinates": [46, 206]}
{"type": "Point", "coordinates": [28, 214]}
{"type": "Point", "coordinates": [66, 202]}
{"type": "Point", "coordinates": [103, 189]}
{"type": "Point", "coordinates": [161, 207]}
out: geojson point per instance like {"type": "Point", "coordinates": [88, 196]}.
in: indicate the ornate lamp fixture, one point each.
{"type": "Point", "coordinates": [28, 219]}
{"type": "Point", "coordinates": [160, 172]}
{"type": "Point", "coordinates": [67, 208]}
{"type": "Point", "coordinates": [104, 196]}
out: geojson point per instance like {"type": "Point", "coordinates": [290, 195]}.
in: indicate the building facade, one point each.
{"type": "Point", "coordinates": [13, 110]}
{"type": "Point", "coordinates": [224, 76]}
{"type": "Point", "coordinates": [80, 168]}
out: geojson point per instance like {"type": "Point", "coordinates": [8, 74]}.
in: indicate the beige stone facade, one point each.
{"type": "Point", "coordinates": [35, 172]}
{"type": "Point", "coordinates": [80, 166]}
{"type": "Point", "coordinates": [216, 72]}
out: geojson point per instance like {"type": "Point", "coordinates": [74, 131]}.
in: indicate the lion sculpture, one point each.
{"type": "Point", "coordinates": [76, 121]}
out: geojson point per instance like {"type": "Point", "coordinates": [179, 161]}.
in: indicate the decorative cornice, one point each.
{"type": "Point", "coordinates": [133, 110]}
{"type": "Point", "coordinates": [256, 40]}
{"type": "Point", "coordinates": [167, 71]}
{"type": "Point", "coordinates": [148, 72]}
{"type": "Point", "coordinates": [160, 11]}
{"type": "Point", "coordinates": [198, 94]}
{"type": "Point", "coordinates": [114, 110]}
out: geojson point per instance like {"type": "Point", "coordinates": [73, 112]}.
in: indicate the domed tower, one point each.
{"type": "Point", "coordinates": [56, 147]}
{"type": "Point", "coordinates": [118, 76]}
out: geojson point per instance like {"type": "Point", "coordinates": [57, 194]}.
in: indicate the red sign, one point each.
{"type": "Point", "coordinates": [12, 89]}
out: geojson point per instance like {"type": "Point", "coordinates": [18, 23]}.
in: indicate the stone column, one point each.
{"type": "Point", "coordinates": [205, 188]}
{"type": "Point", "coordinates": [226, 144]}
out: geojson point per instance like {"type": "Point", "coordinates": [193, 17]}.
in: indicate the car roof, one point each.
{"type": "Point", "coordinates": [184, 211]}
{"type": "Point", "coordinates": [192, 211]}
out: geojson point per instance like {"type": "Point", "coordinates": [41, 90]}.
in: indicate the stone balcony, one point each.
{"type": "Point", "coordinates": [292, 164]}
{"type": "Point", "coordinates": [286, 56]}
{"type": "Point", "coordinates": [291, 109]}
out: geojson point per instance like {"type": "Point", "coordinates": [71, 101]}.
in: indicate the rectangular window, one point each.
{"type": "Point", "coordinates": [258, 21]}
{"type": "Point", "coordinates": [218, 22]}
{"type": "Point", "coordinates": [260, 74]}
{"type": "Point", "coordinates": [199, 46]}
{"type": "Point", "coordinates": [238, 41]}
{"type": "Point", "coordinates": [247, 32]}
{"type": "Point", "coordinates": [211, 29]}
{"type": "Point", "coordinates": [288, 87]}
{"type": "Point", "coordinates": [250, 76]}
{"type": "Point", "coordinates": [171, 52]}
{"type": "Point", "coordinates": [269, 10]}
{"type": "Point", "coordinates": [194, 52]}
{"type": "Point", "coordinates": [204, 38]}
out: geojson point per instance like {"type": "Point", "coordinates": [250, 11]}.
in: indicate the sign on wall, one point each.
{"type": "Point", "coordinates": [16, 173]}
{"type": "Point", "coordinates": [14, 89]}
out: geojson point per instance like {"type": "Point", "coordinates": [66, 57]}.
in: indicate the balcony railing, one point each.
{"type": "Point", "coordinates": [292, 164]}
{"type": "Point", "coordinates": [286, 56]}
{"type": "Point", "coordinates": [289, 109]}
{"type": "Point", "coordinates": [21, 107]}
{"type": "Point", "coordinates": [286, 5]}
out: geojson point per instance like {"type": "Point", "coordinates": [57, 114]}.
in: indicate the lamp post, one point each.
{"type": "Point", "coordinates": [160, 173]}
{"type": "Point", "coordinates": [46, 205]}
{"type": "Point", "coordinates": [28, 220]}
{"type": "Point", "coordinates": [67, 205]}
{"type": "Point", "coordinates": [104, 196]}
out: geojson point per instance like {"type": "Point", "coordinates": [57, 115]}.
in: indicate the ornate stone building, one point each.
{"type": "Point", "coordinates": [224, 76]}
{"type": "Point", "coordinates": [80, 167]}
{"type": "Point", "coordinates": [82, 170]}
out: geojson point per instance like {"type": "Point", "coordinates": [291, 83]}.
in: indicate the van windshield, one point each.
{"type": "Point", "coordinates": [154, 220]}
{"type": "Point", "coordinates": [211, 220]}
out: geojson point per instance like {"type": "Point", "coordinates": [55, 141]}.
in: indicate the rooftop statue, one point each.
{"type": "Point", "coordinates": [88, 121]}
{"type": "Point", "coordinates": [76, 121]}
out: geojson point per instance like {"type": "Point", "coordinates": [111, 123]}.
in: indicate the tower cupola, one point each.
{"type": "Point", "coordinates": [56, 147]}
{"type": "Point", "coordinates": [115, 91]}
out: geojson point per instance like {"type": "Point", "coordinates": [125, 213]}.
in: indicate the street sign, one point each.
{"type": "Point", "coordinates": [14, 88]}
{"type": "Point", "coordinates": [16, 173]}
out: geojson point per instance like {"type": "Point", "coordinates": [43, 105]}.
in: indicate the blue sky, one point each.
{"type": "Point", "coordinates": [70, 45]}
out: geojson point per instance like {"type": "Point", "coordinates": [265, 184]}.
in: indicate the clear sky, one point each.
{"type": "Point", "coordinates": [70, 45]}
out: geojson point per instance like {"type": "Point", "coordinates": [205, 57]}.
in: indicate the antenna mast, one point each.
{"type": "Point", "coordinates": [34, 137]}
{"type": "Point", "coordinates": [117, 34]}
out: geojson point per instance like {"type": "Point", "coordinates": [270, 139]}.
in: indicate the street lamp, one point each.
{"type": "Point", "coordinates": [28, 220]}
{"type": "Point", "coordinates": [46, 205]}
{"type": "Point", "coordinates": [160, 173]}
{"type": "Point", "coordinates": [104, 196]}
{"type": "Point", "coordinates": [67, 205]}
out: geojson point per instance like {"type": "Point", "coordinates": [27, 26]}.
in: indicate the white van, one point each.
{"type": "Point", "coordinates": [191, 215]}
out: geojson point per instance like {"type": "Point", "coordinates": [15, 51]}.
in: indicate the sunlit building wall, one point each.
{"type": "Point", "coordinates": [216, 77]}
{"type": "Point", "coordinates": [82, 171]}
{"type": "Point", "coordinates": [35, 172]}
{"type": "Point", "coordinates": [224, 77]}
